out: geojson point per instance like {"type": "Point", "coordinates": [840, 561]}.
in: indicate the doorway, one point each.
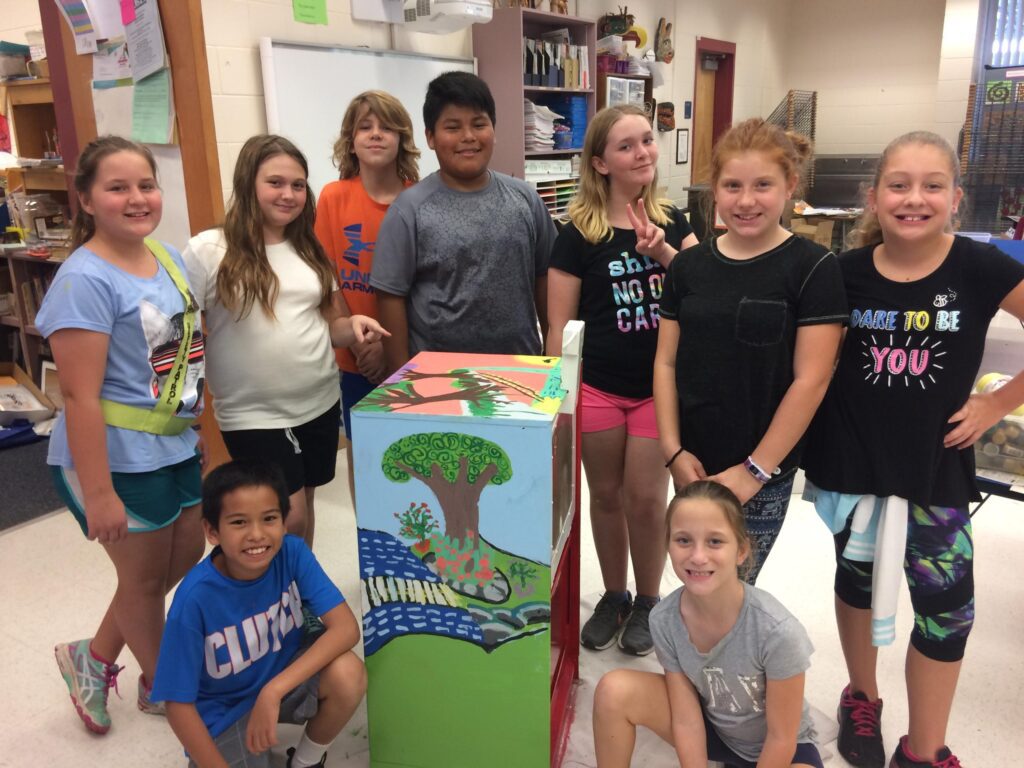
{"type": "Point", "coordinates": [714, 77]}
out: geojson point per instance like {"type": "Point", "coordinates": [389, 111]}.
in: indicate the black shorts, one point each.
{"type": "Point", "coordinates": [307, 454]}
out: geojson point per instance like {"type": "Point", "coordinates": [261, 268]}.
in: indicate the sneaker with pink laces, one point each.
{"type": "Point", "coordinates": [860, 730]}
{"type": "Point", "coordinates": [89, 681]}
{"type": "Point", "coordinates": [904, 758]}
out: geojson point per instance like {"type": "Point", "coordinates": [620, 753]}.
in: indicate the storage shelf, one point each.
{"type": "Point", "coordinates": [547, 152]}
{"type": "Point", "coordinates": [499, 47]}
{"type": "Point", "coordinates": [549, 89]}
{"type": "Point", "coordinates": [10, 320]}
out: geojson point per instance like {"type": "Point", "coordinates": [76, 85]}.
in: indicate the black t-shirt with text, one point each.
{"type": "Point", "coordinates": [908, 363]}
{"type": "Point", "coordinates": [738, 321]}
{"type": "Point", "coordinates": [619, 299]}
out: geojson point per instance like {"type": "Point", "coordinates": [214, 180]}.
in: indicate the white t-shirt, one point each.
{"type": "Point", "coordinates": [264, 373]}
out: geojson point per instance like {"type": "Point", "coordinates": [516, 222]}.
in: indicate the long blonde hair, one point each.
{"type": "Point", "coordinates": [245, 275]}
{"type": "Point", "coordinates": [588, 209]}
{"type": "Point", "coordinates": [84, 225]}
{"type": "Point", "coordinates": [394, 116]}
{"type": "Point", "coordinates": [867, 230]}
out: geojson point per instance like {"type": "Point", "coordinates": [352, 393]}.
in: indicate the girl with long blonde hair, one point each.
{"type": "Point", "coordinates": [597, 275]}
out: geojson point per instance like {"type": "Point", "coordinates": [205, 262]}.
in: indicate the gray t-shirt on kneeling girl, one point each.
{"type": "Point", "coordinates": [766, 643]}
{"type": "Point", "coordinates": [467, 263]}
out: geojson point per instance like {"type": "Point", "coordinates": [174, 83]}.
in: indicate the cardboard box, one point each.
{"type": "Point", "coordinates": [13, 379]}
{"type": "Point", "coordinates": [817, 230]}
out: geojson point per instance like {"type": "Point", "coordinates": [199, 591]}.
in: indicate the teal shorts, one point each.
{"type": "Point", "coordinates": [152, 500]}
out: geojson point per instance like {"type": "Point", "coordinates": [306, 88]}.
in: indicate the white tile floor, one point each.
{"type": "Point", "coordinates": [55, 586]}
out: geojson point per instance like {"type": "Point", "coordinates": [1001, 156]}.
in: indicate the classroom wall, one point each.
{"type": "Point", "coordinates": [233, 29]}
{"type": "Point", "coordinates": [755, 28]}
{"type": "Point", "coordinates": [956, 66]}
{"type": "Point", "coordinates": [874, 63]}
{"type": "Point", "coordinates": [880, 67]}
{"type": "Point", "coordinates": [17, 18]}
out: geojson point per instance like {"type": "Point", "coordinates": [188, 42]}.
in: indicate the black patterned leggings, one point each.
{"type": "Point", "coordinates": [765, 514]}
{"type": "Point", "coordinates": [939, 565]}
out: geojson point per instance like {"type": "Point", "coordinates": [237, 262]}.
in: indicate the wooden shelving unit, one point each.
{"type": "Point", "coordinates": [24, 278]}
{"type": "Point", "coordinates": [28, 105]}
{"type": "Point", "coordinates": [498, 46]}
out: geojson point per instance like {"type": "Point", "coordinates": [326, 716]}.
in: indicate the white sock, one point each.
{"type": "Point", "coordinates": [308, 752]}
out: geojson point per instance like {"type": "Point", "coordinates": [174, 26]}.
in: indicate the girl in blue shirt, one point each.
{"type": "Point", "coordinates": [127, 340]}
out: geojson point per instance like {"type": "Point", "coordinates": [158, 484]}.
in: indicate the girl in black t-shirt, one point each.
{"type": "Point", "coordinates": [890, 449]}
{"type": "Point", "coordinates": [751, 321]}
{"type": "Point", "coordinates": [597, 276]}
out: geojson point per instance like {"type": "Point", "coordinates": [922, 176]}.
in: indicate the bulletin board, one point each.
{"type": "Point", "coordinates": [307, 87]}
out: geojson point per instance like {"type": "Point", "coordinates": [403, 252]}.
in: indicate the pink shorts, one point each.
{"type": "Point", "coordinates": [603, 411]}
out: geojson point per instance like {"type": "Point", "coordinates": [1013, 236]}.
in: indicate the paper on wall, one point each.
{"type": "Point", "coordinates": [111, 65]}
{"type": "Point", "coordinates": [153, 109]}
{"type": "Point", "coordinates": [76, 15]}
{"type": "Point", "coordinates": [106, 18]}
{"type": "Point", "coordinates": [146, 40]}
{"type": "Point", "coordinates": [310, 11]}
{"type": "Point", "coordinates": [113, 108]}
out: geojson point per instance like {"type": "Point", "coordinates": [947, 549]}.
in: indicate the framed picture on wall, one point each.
{"type": "Point", "coordinates": [682, 146]}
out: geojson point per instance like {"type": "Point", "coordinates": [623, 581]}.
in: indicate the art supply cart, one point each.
{"type": "Point", "coordinates": [467, 490]}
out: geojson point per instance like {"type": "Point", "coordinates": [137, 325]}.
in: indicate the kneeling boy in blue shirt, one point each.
{"type": "Point", "coordinates": [235, 659]}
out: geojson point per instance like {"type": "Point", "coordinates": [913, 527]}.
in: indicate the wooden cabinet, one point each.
{"type": "Point", "coordinates": [28, 105]}
{"type": "Point", "coordinates": [498, 46]}
{"type": "Point", "coordinates": [23, 281]}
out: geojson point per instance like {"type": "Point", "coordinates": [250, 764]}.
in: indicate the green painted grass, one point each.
{"type": "Point", "coordinates": [434, 702]}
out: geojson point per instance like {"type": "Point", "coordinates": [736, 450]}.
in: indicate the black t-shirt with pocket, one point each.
{"type": "Point", "coordinates": [908, 363]}
{"type": "Point", "coordinates": [620, 296]}
{"type": "Point", "coordinates": [738, 321]}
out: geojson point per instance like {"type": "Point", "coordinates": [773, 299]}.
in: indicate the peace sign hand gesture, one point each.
{"type": "Point", "coordinates": [650, 238]}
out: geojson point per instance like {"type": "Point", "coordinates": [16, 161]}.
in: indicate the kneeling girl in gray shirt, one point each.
{"type": "Point", "coordinates": [728, 648]}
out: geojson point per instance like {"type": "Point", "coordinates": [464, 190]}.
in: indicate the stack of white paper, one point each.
{"type": "Point", "coordinates": [539, 126]}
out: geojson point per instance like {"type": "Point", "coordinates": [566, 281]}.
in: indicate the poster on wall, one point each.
{"type": "Point", "coordinates": [682, 146]}
{"type": "Point", "coordinates": [146, 40]}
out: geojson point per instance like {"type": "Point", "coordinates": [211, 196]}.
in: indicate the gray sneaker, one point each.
{"type": "Point", "coordinates": [636, 635]}
{"type": "Point", "coordinates": [601, 629]}
{"type": "Point", "coordinates": [146, 703]}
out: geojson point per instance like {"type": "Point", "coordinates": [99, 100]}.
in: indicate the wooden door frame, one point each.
{"type": "Point", "coordinates": [725, 79]}
{"type": "Point", "coordinates": [71, 80]}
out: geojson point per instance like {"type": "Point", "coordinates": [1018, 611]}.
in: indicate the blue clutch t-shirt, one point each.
{"type": "Point", "coordinates": [225, 639]}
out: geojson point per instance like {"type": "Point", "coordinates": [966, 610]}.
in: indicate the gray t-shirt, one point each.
{"type": "Point", "coordinates": [766, 643]}
{"type": "Point", "coordinates": [467, 263]}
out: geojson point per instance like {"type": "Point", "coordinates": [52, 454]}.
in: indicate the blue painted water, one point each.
{"type": "Point", "coordinates": [381, 554]}
{"type": "Point", "coordinates": [396, 619]}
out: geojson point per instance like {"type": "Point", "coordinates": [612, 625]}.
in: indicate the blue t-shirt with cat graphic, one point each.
{"type": "Point", "coordinates": [143, 316]}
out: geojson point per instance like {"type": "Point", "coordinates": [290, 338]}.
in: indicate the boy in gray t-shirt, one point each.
{"type": "Point", "coordinates": [766, 643]}
{"type": "Point", "coordinates": [461, 259]}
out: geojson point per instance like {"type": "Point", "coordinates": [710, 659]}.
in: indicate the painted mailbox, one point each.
{"type": "Point", "coordinates": [465, 477]}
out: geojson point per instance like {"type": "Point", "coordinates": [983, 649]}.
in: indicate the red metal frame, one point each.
{"type": "Point", "coordinates": [565, 622]}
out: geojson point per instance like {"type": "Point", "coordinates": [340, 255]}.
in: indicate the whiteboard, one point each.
{"type": "Point", "coordinates": [307, 87]}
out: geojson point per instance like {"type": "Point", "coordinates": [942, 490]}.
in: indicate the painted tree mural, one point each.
{"type": "Point", "coordinates": [456, 467]}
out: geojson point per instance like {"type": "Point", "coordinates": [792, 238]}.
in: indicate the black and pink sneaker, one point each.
{"type": "Point", "coordinates": [904, 758]}
{"type": "Point", "coordinates": [860, 730]}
